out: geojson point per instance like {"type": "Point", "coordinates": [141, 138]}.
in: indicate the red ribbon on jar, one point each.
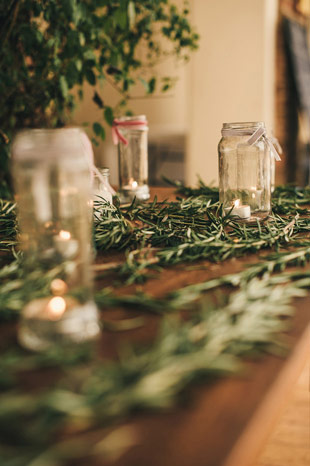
{"type": "Point", "coordinates": [117, 135]}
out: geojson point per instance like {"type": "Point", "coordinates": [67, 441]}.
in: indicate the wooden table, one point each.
{"type": "Point", "coordinates": [226, 422]}
{"type": "Point", "coordinates": [223, 423]}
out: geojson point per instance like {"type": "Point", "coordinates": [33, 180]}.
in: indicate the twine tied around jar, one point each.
{"type": "Point", "coordinates": [116, 134]}
{"type": "Point", "coordinates": [260, 133]}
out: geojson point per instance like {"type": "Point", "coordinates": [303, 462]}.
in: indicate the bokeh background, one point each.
{"type": "Point", "coordinates": [244, 70]}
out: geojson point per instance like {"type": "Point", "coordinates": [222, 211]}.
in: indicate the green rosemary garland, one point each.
{"type": "Point", "coordinates": [89, 394]}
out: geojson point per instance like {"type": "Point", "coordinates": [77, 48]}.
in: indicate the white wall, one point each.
{"type": "Point", "coordinates": [232, 75]}
{"type": "Point", "coordinates": [230, 78]}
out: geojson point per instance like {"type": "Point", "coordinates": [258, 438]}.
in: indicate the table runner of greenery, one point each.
{"type": "Point", "coordinates": [89, 393]}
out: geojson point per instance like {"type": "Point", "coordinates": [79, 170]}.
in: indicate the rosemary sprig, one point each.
{"type": "Point", "coordinates": [211, 341]}
{"type": "Point", "coordinates": [96, 394]}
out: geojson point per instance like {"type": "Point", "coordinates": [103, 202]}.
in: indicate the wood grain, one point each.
{"type": "Point", "coordinates": [289, 443]}
{"type": "Point", "coordinates": [219, 422]}
{"type": "Point", "coordinates": [222, 423]}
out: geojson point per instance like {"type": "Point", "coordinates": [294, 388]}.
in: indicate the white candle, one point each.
{"type": "Point", "coordinates": [65, 245]}
{"type": "Point", "coordinates": [131, 186]}
{"type": "Point", "coordinates": [241, 211]}
{"type": "Point", "coordinates": [51, 308]}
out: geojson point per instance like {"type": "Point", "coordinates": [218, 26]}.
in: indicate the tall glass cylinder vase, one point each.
{"type": "Point", "coordinates": [54, 199]}
{"type": "Point", "coordinates": [133, 158]}
{"type": "Point", "coordinates": [245, 171]}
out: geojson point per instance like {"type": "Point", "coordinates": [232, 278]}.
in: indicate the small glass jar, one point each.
{"type": "Point", "coordinates": [53, 192]}
{"type": "Point", "coordinates": [272, 174]}
{"type": "Point", "coordinates": [101, 185]}
{"type": "Point", "coordinates": [133, 159]}
{"type": "Point", "coordinates": [244, 171]}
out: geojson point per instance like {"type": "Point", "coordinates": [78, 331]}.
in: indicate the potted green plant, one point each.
{"type": "Point", "coordinates": [49, 47]}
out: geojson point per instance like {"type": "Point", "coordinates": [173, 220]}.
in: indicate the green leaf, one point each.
{"type": "Point", "coordinates": [108, 115]}
{"type": "Point", "coordinates": [97, 99]}
{"type": "Point", "coordinates": [152, 85]}
{"type": "Point", "coordinates": [145, 84]}
{"type": "Point", "coordinates": [131, 14]}
{"type": "Point", "coordinates": [63, 86]}
{"type": "Point", "coordinates": [120, 17]}
{"type": "Point", "coordinates": [99, 130]}
{"type": "Point", "coordinates": [90, 76]}
{"type": "Point", "coordinates": [79, 64]}
{"type": "Point", "coordinates": [89, 55]}
{"type": "Point", "coordinates": [81, 39]}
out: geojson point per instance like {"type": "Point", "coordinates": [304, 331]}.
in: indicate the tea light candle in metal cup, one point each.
{"type": "Point", "coordinates": [241, 211]}
{"type": "Point", "coordinates": [46, 322]}
{"type": "Point", "coordinates": [65, 245]}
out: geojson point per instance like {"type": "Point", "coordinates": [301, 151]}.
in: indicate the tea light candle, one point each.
{"type": "Point", "coordinates": [242, 211]}
{"type": "Point", "coordinates": [49, 309]}
{"type": "Point", "coordinates": [131, 186]}
{"type": "Point", "coordinates": [65, 245]}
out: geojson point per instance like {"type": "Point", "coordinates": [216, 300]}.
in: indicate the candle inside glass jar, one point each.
{"type": "Point", "coordinates": [65, 244]}
{"type": "Point", "coordinates": [56, 307]}
{"type": "Point", "coordinates": [49, 309]}
{"type": "Point", "coordinates": [242, 211]}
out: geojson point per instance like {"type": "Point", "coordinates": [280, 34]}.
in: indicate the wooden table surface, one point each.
{"type": "Point", "coordinates": [223, 423]}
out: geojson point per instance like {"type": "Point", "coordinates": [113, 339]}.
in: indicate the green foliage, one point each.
{"type": "Point", "coordinates": [88, 393]}
{"type": "Point", "coordinates": [159, 234]}
{"type": "Point", "coordinates": [50, 47]}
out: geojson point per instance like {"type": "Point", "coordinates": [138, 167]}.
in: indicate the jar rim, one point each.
{"type": "Point", "coordinates": [244, 125]}
{"type": "Point", "coordinates": [132, 118]}
{"type": "Point", "coordinates": [53, 142]}
{"type": "Point", "coordinates": [104, 171]}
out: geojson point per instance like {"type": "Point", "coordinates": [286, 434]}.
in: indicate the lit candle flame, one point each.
{"type": "Point", "coordinates": [56, 307]}
{"type": "Point", "coordinates": [65, 235]}
{"type": "Point", "coordinates": [237, 203]}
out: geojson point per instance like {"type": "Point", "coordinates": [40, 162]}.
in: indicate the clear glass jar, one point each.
{"type": "Point", "coordinates": [133, 160]}
{"type": "Point", "coordinates": [101, 185]}
{"type": "Point", "coordinates": [53, 192]}
{"type": "Point", "coordinates": [272, 174]}
{"type": "Point", "coordinates": [244, 171]}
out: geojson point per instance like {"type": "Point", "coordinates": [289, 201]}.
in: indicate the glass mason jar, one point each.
{"type": "Point", "coordinates": [272, 174]}
{"type": "Point", "coordinates": [53, 193]}
{"type": "Point", "coordinates": [101, 185]}
{"type": "Point", "coordinates": [133, 159]}
{"type": "Point", "coordinates": [244, 171]}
